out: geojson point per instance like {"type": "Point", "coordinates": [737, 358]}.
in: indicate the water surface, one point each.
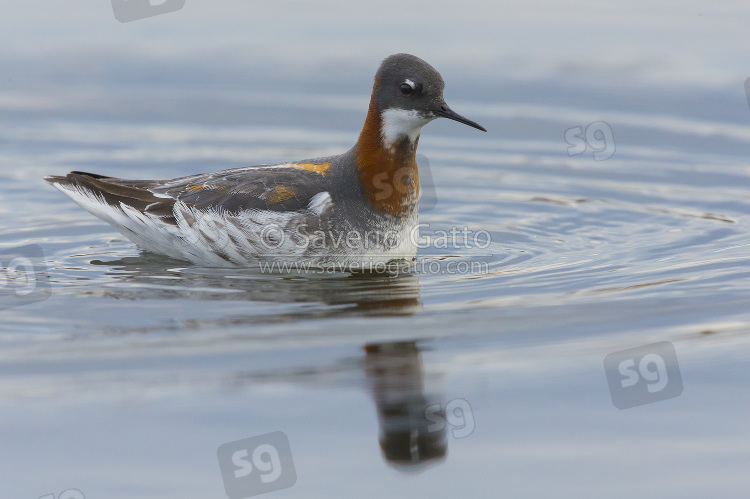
{"type": "Point", "coordinates": [129, 376]}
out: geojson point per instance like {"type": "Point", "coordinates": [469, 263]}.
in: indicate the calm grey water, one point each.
{"type": "Point", "coordinates": [136, 368]}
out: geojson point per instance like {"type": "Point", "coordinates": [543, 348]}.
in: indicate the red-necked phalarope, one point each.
{"type": "Point", "coordinates": [358, 209]}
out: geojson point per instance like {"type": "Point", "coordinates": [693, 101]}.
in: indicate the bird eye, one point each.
{"type": "Point", "coordinates": [406, 88]}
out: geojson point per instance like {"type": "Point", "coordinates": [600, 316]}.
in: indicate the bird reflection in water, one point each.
{"type": "Point", "coordinates": [397, 383]}
{"type": "Point", "coordinates": [340, 294]}
{"type": "Point", "coordinates": [394, 370]}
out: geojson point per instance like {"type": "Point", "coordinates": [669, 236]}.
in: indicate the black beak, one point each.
{"type": "Point", "coordinates": [447, 112]}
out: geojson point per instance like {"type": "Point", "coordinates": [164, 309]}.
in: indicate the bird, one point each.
{"type": "Point", "coordinates": [355, 211]}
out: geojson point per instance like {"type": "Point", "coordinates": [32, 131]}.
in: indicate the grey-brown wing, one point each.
{"type": "Point", "coordinates": [256, 188]}
{"type": "Point", "coordinates": [264, 188]}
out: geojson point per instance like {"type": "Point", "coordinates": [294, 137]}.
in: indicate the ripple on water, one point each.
{"type": "Point", "coordinates": [556, 230]}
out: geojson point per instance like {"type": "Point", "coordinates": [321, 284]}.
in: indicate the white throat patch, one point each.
{"type": "Point", "coordinates": [400, 123]}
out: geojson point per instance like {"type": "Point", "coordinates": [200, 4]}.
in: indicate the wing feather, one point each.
{"type": "Point", "coordinates": [267, 188]}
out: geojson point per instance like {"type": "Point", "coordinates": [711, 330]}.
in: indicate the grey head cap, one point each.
{"type": "Point", "coordinates": [405, 81]}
